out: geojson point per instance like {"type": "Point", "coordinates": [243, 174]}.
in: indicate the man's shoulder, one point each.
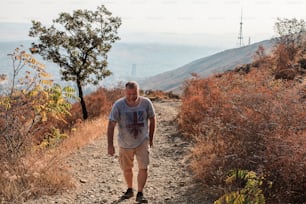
{"type": "Point", "coordinates": [145, 98]}
{"type": "Point", "coordinates": [119, 102]}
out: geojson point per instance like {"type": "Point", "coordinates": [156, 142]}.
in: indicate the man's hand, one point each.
{"type": "Point", "coordinates": [151, 143]}
{"type": "Point", "coordinates": [152, 129]}
{"type": "Point", "coordinates": [111, 150]}
{"type": "Point", "coordinates": [110, 137]}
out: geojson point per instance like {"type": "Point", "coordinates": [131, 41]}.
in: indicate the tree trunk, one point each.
{"type": "Point", "coordinates": [83, 105]}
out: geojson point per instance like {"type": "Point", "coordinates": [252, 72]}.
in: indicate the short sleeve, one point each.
{"type": "Point", "coordinates": [114, 114]}
{"type": "Point", "coordinates": [151, 110]}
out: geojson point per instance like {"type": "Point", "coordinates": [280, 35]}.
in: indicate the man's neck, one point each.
{"type": "Point", "coordinates": [134, 103]}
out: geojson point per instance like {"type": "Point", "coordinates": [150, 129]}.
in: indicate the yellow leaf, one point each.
{"type": "Point", "coordinates": [45, 75]}
{"type": "Point", "coordinates": [47, 82]}
{"type": "Point", "coordinates": [43, 116]}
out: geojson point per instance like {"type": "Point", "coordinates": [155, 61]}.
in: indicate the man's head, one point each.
{"type": "Point", "coordinates": [132, 92]}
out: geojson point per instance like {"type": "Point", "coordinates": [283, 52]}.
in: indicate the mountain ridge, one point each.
{"type": "Point", "coordinates": [222, 61]}
{"type": "Point", "coordinates": [146, 58]}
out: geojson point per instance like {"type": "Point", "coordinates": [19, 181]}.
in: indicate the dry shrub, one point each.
{"type": "Point", "coordinates": [36, 171]}
{"type": "Point", "coordinates": [288, 60]}
{"type": "Point", "coordinates": [32, 140]}
{"type": "Point", "coordinates": [248, 121]}
{"type": "Point", "coordinates": [83, 133]}
{"type": "Point", "coordinates": [43, 171]}
{"type": "Point", "coordinates": [24, 108]}
{"type": "Point", "coordinates": [98, 104]}
{"type": "Point", "coordinates": [284, 66]}
{"type": "Point", "coordinates": [33, 176]}
{"type": "Point", "coordinates": [115, 93]}
{"type": "Point", "coordinates": [197, 102]}
{"type": "Point", "coordinates": [157, 95]}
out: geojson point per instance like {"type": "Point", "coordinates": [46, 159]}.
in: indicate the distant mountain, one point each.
{"type": "Point", "coordinates": [142, 60]}
{"type": "Point", "coordinates": [127, 61]}
{"type": "Point", "coordinates": [217, 63]}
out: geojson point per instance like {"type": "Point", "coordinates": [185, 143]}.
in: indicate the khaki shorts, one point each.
{"type": "Point", "coordinates": [126, 156]}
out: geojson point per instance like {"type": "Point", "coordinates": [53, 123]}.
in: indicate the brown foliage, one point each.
{"type": "Point", "coordinates": [98, 104]}
{"type": "Point", "coordinates": [32, 122]}
{"type": "Point", "coordinates": [37, 173]}
{"type": "Point", "coordinates": [251, 122]}
{"type": "Point", "coordinates": [283, 64]}
{"type": "Point", "coordinates": [288, 60]}
{"type": "Point", "coordinates": [157, 95]}
{"type": "Point", "coordinates": [42, 171]}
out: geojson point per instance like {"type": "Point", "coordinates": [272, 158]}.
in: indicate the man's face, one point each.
{"type": "Point", "coordinates": [131, 95]}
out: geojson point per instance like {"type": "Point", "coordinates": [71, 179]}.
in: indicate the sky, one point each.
{"type": "Point", "coordinates": [211, 22]}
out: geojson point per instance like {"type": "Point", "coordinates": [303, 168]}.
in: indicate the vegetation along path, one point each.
{"type": "Point", "coordinates": [99, 178]}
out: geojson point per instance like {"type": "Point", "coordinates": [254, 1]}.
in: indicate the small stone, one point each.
{"type": "Point", "coordinates": [83, 180]}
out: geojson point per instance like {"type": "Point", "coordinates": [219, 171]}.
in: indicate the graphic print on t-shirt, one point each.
{"type": "Point", "coordinates": [135, 122]}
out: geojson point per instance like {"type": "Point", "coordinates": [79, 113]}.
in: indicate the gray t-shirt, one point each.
{"type": "Point", "coordinates": [132, 121]}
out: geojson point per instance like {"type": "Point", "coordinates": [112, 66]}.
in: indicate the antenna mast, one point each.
{"type": "Point", "coordinates": [240, 36]}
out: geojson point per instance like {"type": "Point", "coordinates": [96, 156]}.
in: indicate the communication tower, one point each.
{"type": "Point", "coordinates": [240, 36]}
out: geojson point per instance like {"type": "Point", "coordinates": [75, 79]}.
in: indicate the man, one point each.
{"type": "Point", "coordinates": [135, 116]}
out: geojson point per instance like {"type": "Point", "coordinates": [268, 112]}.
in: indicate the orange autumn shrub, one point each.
{"type": "Point", "coordinates": [248, 121]}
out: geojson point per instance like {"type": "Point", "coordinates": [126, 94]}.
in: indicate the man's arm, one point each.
{"type": "Point", "coordinates": [110, 137]}
{"type": "Point", "coordinates": [152, 129]}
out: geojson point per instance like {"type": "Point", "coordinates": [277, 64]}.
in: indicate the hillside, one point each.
{"type": "Point", "coordinates": [219, 62]}
{"type": "Point", "coordinates": [177, 160]}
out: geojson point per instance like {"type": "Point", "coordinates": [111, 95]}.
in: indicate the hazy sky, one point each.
{"type": "Point", "coordinates": [184, 20]}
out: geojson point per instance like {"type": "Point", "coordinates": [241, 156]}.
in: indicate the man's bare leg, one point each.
{"type": "Point", "coordinates": [128, 175]}
{"type": "Point", "coordinates": [142, 179]}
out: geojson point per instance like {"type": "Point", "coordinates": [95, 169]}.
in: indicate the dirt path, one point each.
{"type": "Point", "coordinates": [99, 178]}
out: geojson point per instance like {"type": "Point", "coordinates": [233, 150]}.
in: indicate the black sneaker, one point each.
{"type": "Point", "coordinates": [128, 194]}
{"type": "Point", "coordinates": [140, 198]}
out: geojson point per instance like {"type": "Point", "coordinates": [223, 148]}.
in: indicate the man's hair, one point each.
{"type": "Point", "coordinates": [132, 85]}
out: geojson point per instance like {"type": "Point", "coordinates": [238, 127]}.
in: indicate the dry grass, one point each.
{"type": "Point", "coordinates": [35, 175]}
{"type": "Point", "coordinates": [43, 172]}
{"type": "Point", "coordinates": [36, 135]}
{"type": "Point", "coordinates": [84, 133]}
{"type": "Point", "coordinates": [157, 95]}
{"type": "Point", "coordinates": [255, 123]}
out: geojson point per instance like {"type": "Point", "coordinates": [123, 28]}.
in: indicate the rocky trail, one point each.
{"type": "Point", "coordinates": [99, 179]}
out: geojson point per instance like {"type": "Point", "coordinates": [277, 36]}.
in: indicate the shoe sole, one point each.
{"type": "Point", "coordinates": [141, 201]}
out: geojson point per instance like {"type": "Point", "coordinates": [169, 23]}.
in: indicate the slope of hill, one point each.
{"type": "Point", "coordinates": [220, 62]}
